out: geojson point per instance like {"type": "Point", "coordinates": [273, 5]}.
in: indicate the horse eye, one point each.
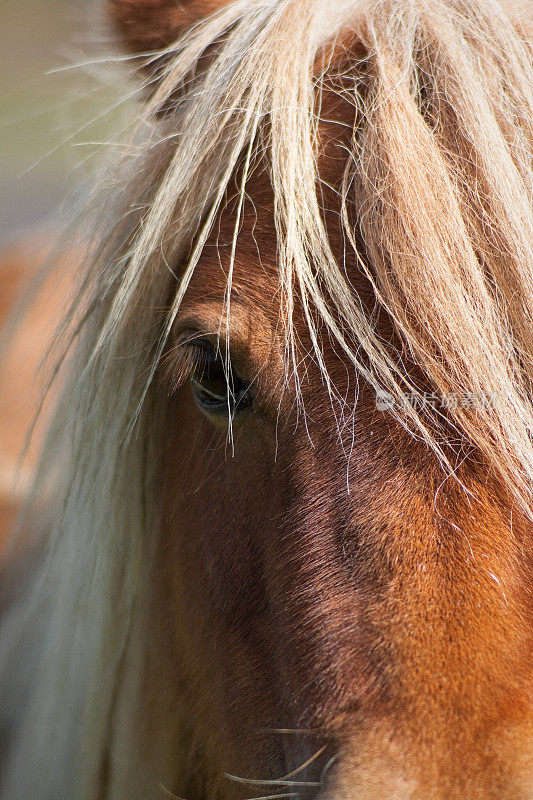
{"type": "Point", "coordinates": [216, 392]}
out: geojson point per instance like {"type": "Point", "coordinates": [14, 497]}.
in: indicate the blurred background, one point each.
{"type": "Point", "coordinates": [53, 111]}
{"type": "Point", "coordinates": [59, 106]}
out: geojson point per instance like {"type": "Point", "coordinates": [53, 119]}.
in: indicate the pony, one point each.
{"type": "Point", "coordinates": [279, 542]}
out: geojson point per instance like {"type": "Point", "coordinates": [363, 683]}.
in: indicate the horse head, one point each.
{"type": "Point", "coordinates": [300, 458]}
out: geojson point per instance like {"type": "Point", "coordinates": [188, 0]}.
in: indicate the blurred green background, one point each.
{"type": "Point", "coordinates": [52, 112]}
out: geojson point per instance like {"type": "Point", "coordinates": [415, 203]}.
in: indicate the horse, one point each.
{"type": "Point", "coordinates": [279, 540]}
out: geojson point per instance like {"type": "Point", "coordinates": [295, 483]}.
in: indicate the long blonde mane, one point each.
{"type": "Point", "coordinates": [440, 173]}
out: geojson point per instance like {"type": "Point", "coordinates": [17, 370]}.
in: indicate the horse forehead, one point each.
{"type": "Point", "coordinates": [241, 249]}
{"type": "Point", "coordinates": [244, 234]}
{"type": "Point", "coordinates": [244, 239]}
{"type": "Point", "coordinates": [253, 277]}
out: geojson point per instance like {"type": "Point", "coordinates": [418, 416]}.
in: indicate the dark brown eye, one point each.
{"type": "Point", "coordinates": [217, 388]}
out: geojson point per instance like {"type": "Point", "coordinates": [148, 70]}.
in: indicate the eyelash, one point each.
{"type": "Point", "coordinates": [209, 381]}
